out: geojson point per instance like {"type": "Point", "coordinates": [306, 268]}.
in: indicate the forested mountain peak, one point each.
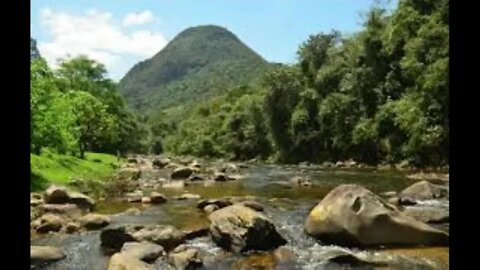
{"type": "Point", "coordinates": [199, 62]}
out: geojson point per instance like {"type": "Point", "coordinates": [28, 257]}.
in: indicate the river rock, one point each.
{"type": "Point", "coordinates": [196, 232]}
{"type": "Point", "coordinates": [424, 190]}
{"type": "Point", "coordinates": [388, 194]}
{"type": "Point", "coordinates": [253, 205]}
{"type": "Point", "coordinates": [428, 214]}
{"type": "Point", "coordinates": [220, 177]}
{"type": "Point", "coordinates": [211, 208]}
{"type": "Point", "coordinates": [94, 221]}
{"type": "Point", "coordinates": [61, 195]}
{"type": "Point", "coordinates": [66, 210]}
{"type": "Point", "coordinates": [431, 177]}
{"type": "Point", "coordinates": [157, 198]}
{"type": "Point", "coordinates": [45, 254]}
{"type": "Point", "coordinates": [145, 251]}
{"type": "Point", "coordinates": [346, 258]}
{"type": "Point", "coordinates": [160, 163]}
{"type": "Point", "coordinates": [284, 256]}
{"type": "Point", "coordinates": [220, 203]}
{"type": "Point", "coordinates": [181, 173]}
{"type": "Point", "coordinates": [301, 181]}
{"type": "Point", "coordinates": [50, 223]}
{"type": "Point", "coordinates": [72, 227]}
{"type": "Point", "coordinates": [124, 261]}
{"type": "Point", "coordinates": [351, 215]}
{"type": "Point", "coordinates": [239, 228]}
{"type": "Point", "coordinates": [195, 178]}
{"type": "Point", "coordinates": [132, 160]}
{"type": "Point", "coordinates": [185, 258]}
{"type": "Point", "coordinates": [167, 236]}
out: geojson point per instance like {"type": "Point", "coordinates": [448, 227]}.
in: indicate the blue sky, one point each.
{"type": "Point", "coordinates": [120, 33]}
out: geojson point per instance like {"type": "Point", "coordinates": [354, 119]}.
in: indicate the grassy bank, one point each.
{"type": "Point", "coordinates": [60, 169]}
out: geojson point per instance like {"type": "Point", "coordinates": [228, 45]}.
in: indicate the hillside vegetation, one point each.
{"type": "Point", "coordinates": [199, 63]}
{"type": "Point", "coordinates": [379, 96]}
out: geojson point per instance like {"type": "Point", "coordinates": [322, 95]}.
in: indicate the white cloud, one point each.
{"type": "Point", "coordinates": [136, 18]}
{"type": "Point", "coordinates": [96, 35]}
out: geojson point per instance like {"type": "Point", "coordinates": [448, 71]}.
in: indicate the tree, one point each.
{"type": "Point", "coordinates": [92, 122]}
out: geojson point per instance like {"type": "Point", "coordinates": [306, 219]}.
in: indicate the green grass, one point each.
{"type": "Point", "coordinates": [61, 169]}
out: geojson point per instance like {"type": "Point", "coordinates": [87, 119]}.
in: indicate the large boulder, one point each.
{"type": "Point", "coordinates": [167, 236]}
{"type": "Point", "coordinates": [145, 251]}
{"type": "Point", "coordinates": [61, 195]}
{"type": "Point", "coordinates": [351, 215]}
{"type": "Point", "coordinates": [424, 190]}
{"type": "Point", "coordinates": [239, 228]}
{"type": "Point", "coordinates": [181, 173]}
{"type": "Point", "coordinates": [94, 221]}
{"type": "Point", "coordinates": [125, 261]}
{"type": "Point", "coordinates": [45, 254]}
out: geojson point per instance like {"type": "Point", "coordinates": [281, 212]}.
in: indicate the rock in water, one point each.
{"type": "Point", "coordinates": [124, 261]}
{"type": "Point", "coordinates": [50, 223]}
{"type": "Point", "coordinates": [239, 228]}
{"type": "Point", "coordinates": [181, 173]}
{"type": "Point", "coordinates": [301, 181]}
{"type": "Point", "coordinates": [424, 190]}
{"type": "Point", "coordinates": [45, 254]}
{"type": "Point", "coordinates": [185, 258]}
{"type": "Point", "coordinates": [157, 198]}
{"type": "Point", "coordinates": [61, 195]}
{"type": "Point", "coordinates": [428, 214]}
{"type": "Point", "coordinates": [147, 252]}
{"type": "Point", "coordinates": [167, 236]}
{"type": "Point", "coordinates": [94, 221]}
{"type": "Point", "coordinates": [351, 215]}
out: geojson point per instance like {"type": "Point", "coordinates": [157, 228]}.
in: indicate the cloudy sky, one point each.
{"type": "Point", "coordinates": [119, 33]}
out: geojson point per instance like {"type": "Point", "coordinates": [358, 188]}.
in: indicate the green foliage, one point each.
{"type": "Point", "coordinates": [200, 63]}
{"type": "Point", "coordinates": [50, 167]}
{"type": "Point", "coordinates": [381, 95]}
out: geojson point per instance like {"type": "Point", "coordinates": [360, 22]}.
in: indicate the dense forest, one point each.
{"type": "Point", "coordinates": [378, 96]}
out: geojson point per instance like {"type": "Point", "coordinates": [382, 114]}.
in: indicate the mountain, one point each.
{"type": "Point", "coordinates": [199, 63]}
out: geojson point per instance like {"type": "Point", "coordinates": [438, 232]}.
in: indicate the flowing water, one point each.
{"type": "Point", "coordinates": [285, 205]}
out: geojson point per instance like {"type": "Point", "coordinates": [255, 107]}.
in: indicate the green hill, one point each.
{"type": "Point", "coordinates": [199, 63]}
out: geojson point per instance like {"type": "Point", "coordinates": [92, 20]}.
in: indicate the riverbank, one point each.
{"type": "Point", "coordinates": [184, 192]}
{"type": "Point", "coordinates": [51, 168]}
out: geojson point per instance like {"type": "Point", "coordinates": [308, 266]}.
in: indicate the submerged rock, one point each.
{"type": "Point", "coordinates": [45, 254]}
{"type": "Point", "coordinates": [239, 228]}
{"type": "Point", "coordinates": [353, 216]}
